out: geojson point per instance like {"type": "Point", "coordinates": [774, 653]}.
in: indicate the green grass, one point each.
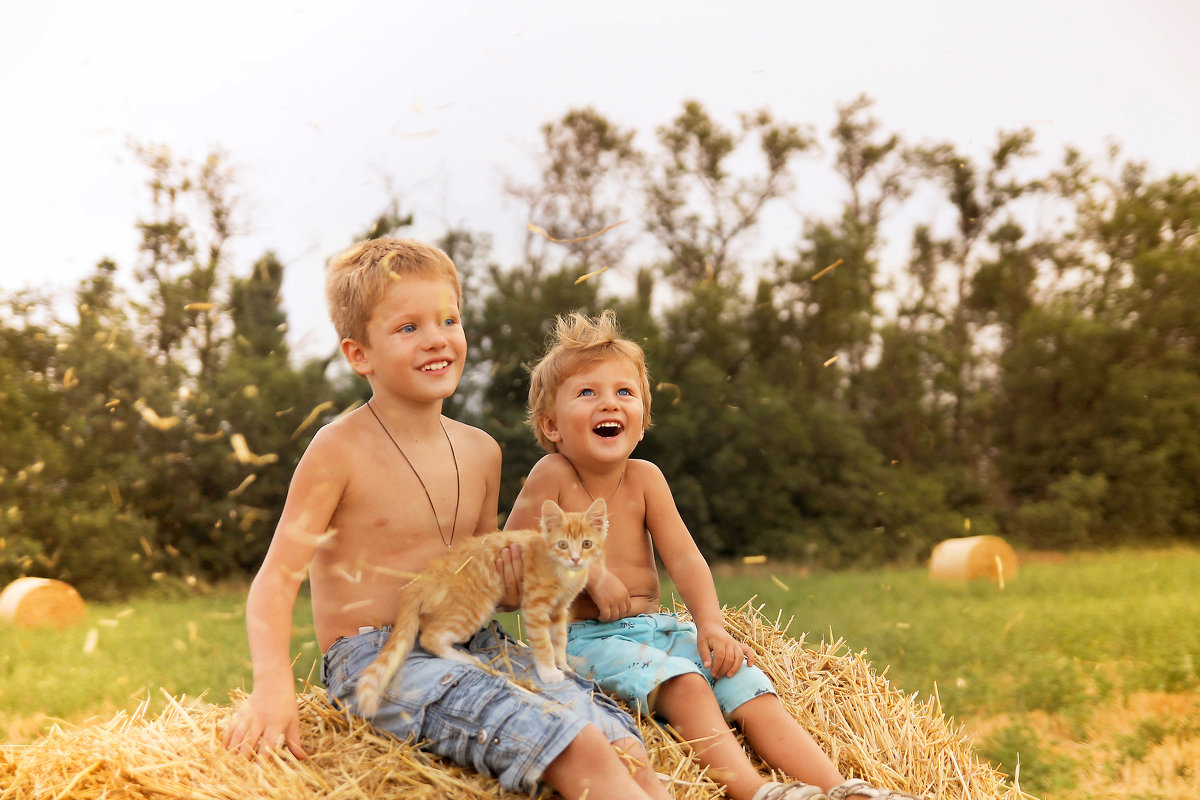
{"type": "Point", "coordinates": [1059, 638]}
{"type": "Point", "coordinates": [186, 646]}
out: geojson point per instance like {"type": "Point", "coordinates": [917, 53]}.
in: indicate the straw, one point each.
{"type": "Point", "coordinates": [871, 730]}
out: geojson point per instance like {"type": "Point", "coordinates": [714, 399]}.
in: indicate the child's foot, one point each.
{"type": "Point", "coordinates": [855, 786]}
{"type": "Point", "coordinates": [772, 790]}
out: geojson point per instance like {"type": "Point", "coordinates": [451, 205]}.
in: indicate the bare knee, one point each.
{"type": "Point", "coordinates": [684, 688]}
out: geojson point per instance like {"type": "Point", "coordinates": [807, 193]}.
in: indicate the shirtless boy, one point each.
{"type": "Point", "coordinates": [380, 492]}
{"type": "Point", "coordinates": [589, 406]}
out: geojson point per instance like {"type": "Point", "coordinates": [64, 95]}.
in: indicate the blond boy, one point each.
{"type": "Point", "coordinates": [589, 406]}
{"type": "Point", "coordinates": [380, 492]}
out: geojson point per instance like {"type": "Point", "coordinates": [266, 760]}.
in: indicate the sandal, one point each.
{"type": "Point", "coordinates": [860, 787]}
{"type": "Point", "coordinates": [789, 791]}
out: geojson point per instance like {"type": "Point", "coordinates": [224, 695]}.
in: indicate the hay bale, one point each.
{"type": "Point", "coordinates": [973, 557]}
{"type": "Point", "coordinates": [870, 729]}
{"type": "Point", "coordinates": [37, 602]}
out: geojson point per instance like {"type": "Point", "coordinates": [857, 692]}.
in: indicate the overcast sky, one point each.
{"type": "Point", "coordinates": [318, 105]}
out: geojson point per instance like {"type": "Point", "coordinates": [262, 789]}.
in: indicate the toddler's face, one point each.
{"type": "Point", "coordinates": [598, 415]}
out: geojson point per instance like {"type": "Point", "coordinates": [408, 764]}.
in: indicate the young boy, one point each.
{"type": "Point", "coordinates": [380, 492]}
{"type": "Point", "coordinates": [589, 406]}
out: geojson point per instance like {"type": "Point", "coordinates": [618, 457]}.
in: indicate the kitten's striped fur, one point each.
{"type": "Point", "coordinates": [458, 592]}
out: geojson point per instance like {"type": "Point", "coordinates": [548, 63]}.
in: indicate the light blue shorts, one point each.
{"type": "Point", "coordinates": [631, 657]}
{"type": "Point", "coordinates": [471, 717]}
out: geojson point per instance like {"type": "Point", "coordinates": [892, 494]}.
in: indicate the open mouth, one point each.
{"type": "Point", "coordinates": [608, 430]}
{"type": "Point", "coordinates": [436, 365]}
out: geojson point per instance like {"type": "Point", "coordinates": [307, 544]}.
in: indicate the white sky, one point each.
{"type": "Point", "coordinates": [319, 104]}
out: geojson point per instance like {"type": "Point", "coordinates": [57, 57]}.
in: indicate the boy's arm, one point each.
{"type": "Point", "coordinates": [270, 716]}
{"type": "Point", "coordinates": [720, 652]}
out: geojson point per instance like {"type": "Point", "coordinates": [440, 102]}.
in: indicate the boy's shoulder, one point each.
{"type": "Point", "coordinates": [472, 440]}
{"type": "Point", "coordinates": [643, 471]}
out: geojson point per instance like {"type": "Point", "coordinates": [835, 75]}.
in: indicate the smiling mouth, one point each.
{"type": "Point", "coordinates": [608, 430]}
{"type": "Point", "coordinates": [436, 365]}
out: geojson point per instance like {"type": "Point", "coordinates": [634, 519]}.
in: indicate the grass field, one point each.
{"type": "Point", "coordinates": [1084, 667]}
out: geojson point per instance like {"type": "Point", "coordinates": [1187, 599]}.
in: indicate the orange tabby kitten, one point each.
{"type": "Point", "coordinates": [458, 592]}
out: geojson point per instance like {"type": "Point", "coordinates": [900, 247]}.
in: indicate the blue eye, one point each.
{"type": "Point", "coordinates": [625, 392]}
{"type": "Point", "coordinates": [450, 322]}
{"type": "Point", "coordinates": [408, 328]}
{"type": "Point", "coordinates": [586, 392]}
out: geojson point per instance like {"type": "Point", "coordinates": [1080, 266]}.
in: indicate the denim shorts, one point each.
{"type": "Point", "coordinates": [471, 717]}
{"type": "Point", "coordinates": [631, 657]}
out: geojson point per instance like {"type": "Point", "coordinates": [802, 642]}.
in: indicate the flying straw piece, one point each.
{"type": "Point", "coordinates": [539, 230]}
{"type": "Point", "coordinates": [826, 271]}
{"type": "Point", "coordinates": [241, 487]}
{"type": "Point", "coordinates": [780, 584]}
{"type": "Point", "coordinates": [317, 411]}
{"type": "Point", "coordinates": [241, 451]}
{"type": "Point", "coordinates": [754, 559]}
{"type": "Point", "coordinates": [199, 306]}
{"type": "Point", "coordinates": [151, 416]}
{"type": "Point", "coordinates": [664, 385]}
{"type": "Point", "coordinates": [69, 378]}
{"type": "Point", "coordinates": [831, 360]}
{"type": "Point", "coordinates": [583, 278]}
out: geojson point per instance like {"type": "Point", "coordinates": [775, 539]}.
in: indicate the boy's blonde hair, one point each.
{"type": "Point", "coordinates": [579, 341]}
{"type": "Point", "coordinates": [359, 276]}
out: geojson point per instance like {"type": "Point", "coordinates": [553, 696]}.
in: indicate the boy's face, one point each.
{"type": "Point", "coordinates": [417, 347]}
{"type": "Point", "coordinates": [597, 416]}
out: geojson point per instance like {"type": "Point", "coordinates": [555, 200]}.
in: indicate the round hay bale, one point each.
{"type": "Point", "coordinates": [973, 557]}
{"type": "Point", "coordinates": [39, 602]}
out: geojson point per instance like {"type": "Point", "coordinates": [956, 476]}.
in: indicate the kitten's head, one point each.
{"type": "Point", "coordinates": [575, 538]}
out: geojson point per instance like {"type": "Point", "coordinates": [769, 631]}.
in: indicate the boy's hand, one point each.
{"type": "Point", "coordinates": [265, 722]}
{"type": "Point", "coordinates": [511, 568]}
{"type": "Point", "coordinates": [721, 654]}
{"type": "Point", "coordinates": [611, 598]}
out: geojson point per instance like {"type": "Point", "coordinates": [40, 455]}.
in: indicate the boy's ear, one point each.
{"type": "Point", "coordinates": [356, 355]}
{"type": "Point", "coordinates": [549, 427]}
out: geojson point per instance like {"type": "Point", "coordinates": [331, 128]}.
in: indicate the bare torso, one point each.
{"type": "Point", "coordinates": [384, 531]}
{"type": "Point", "coordinates": [628, 552]}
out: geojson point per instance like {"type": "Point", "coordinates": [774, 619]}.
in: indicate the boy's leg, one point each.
{"type": "Point", "coordinates": [591, 767]}
{"type": "Point", "coordinates": [687, 702]}
{"type": "Point", "coordinates": [783, 743]}
{"type": "Point", "coordinates": [582, 696]}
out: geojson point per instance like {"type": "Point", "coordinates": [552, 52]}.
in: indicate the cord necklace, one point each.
{"type": "Point", "coordinates": [589, 491]}
{"type": "Point", "coordinates": [457, 477]}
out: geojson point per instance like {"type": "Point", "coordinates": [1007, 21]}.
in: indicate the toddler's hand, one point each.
{"type": "Point", "coordinates": [721, 654]}
{"type": "Point", "coordinates": [611, 598]}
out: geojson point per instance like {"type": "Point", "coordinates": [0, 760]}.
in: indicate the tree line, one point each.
{"type": "Point", "coordinates": [1030, 367]}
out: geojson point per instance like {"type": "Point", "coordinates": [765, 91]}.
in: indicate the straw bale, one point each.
{"type": "Point", "coordinates": [973, 557]}
{"type": "Point", "coordinates": [37, 602]}
{"type": "Point", "coordinates": [870, 729]}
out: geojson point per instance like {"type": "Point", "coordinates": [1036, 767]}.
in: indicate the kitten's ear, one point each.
{"type": "Point", "coordinates": [552, 516]}
{"type": "Point", "coordinates": [597, 515]}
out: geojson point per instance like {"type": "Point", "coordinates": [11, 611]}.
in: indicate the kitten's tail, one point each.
{"type": "Point", "coordinates": [380, 672]}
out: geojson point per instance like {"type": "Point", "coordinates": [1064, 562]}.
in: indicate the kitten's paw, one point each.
{"type": "Point", "coordinates": [368, 702]}
{"type": "Point", "coordinates": [550, 674]}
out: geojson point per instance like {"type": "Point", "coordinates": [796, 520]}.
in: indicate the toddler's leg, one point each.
{"type": "Point", "coordinates": [688, 704]}
{"type": "Point", "coordinates": [783, 743]}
